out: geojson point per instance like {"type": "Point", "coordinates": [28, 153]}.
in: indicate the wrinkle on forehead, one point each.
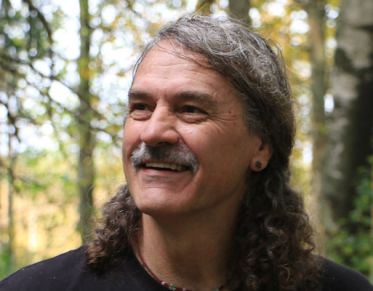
{"type": "Point", "coordinates": [176, 49]}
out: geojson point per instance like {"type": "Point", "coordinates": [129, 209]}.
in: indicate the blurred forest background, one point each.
{"type": "Point", "coordinates": [65, 68]}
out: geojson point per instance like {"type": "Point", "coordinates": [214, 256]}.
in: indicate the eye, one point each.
{"type": "Point", "coordinates": [138, 106]}
{"type": "Point", "coordinates": [191, 109]}
{"type": "Point", "coordinates": [139, 110]}
{"type": "Point", "coordinates": [192, 113]}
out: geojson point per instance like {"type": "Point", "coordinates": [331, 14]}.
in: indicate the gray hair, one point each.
{"type": "Point", "coordinates": [252, 67]}
{"type": "Point", "coordinates": [273, 240]}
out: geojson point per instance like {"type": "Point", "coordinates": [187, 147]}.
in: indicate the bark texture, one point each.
{"type": "Point", "coordinates": [351, 129]}
{"type": "Point", "coordinates": [316, 47]}
{"type": "Point", "coordinates": [86, 173]}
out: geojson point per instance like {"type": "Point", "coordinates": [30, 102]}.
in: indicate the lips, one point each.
{"type": "Point", "coordinates": [164, 166]}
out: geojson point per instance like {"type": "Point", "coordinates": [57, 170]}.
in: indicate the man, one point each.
{"type": "Point", "coordinates": [206, 152]}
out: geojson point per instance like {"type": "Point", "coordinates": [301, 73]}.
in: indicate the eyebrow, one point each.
{"type": "Point", "coordinates": [189, 95]}
{"type": "Point", "coordinates": [138, 94]}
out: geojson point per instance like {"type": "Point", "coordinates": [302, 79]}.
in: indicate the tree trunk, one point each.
{"type": "Point", "coordinates": [84, 117]}
{"type": "Point", "coordinates": [12, 135]}
{"type": "Point", "coordinates": [239, 9]}
{"type": "Point", "coordinates": [11, 192]}
{"type": "Point", "coordinates": [316, 37]}
{"type": "Point", "coordinates": [351, 129]}
{"type": "Point", "coordinates": [371, 222]}
{"type": "Point", "coordinates": [203, 7]}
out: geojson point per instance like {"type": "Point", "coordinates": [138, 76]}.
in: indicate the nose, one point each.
{"type": "Point", "coordinates": [160, 128]}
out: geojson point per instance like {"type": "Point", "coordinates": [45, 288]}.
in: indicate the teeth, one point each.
{"type": "Point", "coordinates": [173, 167]}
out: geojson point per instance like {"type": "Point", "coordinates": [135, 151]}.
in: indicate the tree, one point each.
{"type": "Point", "coordinates": [32, 46]}
{"type": "Point", "coordinates": [11, 168]}
{"type": "Point", "coordinates": [84, 119]}
{"type": "Point", "coordinates": [351, 127]}
{"type": "Point", "coordinates": [319, 85]}
{"type": "Point", "coordinates": [239, 9]}
{"type": "Point", "coordinates": [203, 7]}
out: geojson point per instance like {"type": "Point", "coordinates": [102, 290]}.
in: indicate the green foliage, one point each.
{"type": "Point", "coordinates": [48, 177]}
{"type": "Point", "coordinates": [22, 29]}
{"type": "Point", "coordinates": [51, 176]}
{"type": "Point", "coordinates": [4, 261]}
{"type": "Point", "coordinates": [352, 243]}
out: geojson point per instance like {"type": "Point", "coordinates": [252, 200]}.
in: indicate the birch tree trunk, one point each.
{"type": "Point", "coordinates": [351, 128]}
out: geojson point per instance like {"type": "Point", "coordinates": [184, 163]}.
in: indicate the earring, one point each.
{"type": "Point", "coordinates": [258, 165]}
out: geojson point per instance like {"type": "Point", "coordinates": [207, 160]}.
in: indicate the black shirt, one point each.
{"type": "Point", "coordinates": [69, 272]}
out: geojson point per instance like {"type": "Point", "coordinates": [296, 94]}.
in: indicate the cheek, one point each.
{"type": "Point", "coordinates": [228, 151]}
{"type": "Point", "coordinates": [129, 143]}
{"type": "Point", "coordinates": [207, 145]}
{"type": "Point", "coordinates": [130, 138]}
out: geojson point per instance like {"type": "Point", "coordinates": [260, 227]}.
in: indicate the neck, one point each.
{"type": "Point", "coordinates": [190, 253]}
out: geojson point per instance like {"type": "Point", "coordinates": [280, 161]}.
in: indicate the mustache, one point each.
{"type": "Point", "coordinates": [178, 154]}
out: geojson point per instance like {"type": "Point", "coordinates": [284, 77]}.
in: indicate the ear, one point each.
{"type": "Point", "coordinates": [261, 157]}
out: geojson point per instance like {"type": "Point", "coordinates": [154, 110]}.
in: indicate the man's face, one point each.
{"type": "Point", "coordinates": [186, 147]}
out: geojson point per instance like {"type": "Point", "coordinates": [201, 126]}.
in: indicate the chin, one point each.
{"type": "Point", "coordinates": [160, 208]}
{"type": "Point", "coordinates": [159, 202]}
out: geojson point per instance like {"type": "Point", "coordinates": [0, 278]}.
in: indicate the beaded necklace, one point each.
{"type": "Point", "coordinates": [169, 286]}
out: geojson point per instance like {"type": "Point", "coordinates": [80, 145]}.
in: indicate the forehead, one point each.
{"type": "Point", "coordinates": [168, 50]}
{"type": "Point", "coordinates": [168, 67]}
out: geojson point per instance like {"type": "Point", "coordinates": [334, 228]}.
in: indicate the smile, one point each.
{"type": "Point", "coordinates": [175, 158]}
{"type": "Point", "coordinates": [165, 166]}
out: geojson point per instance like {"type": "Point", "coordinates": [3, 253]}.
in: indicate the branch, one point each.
{"type": "Point", "coordinates": [42, 19]}
{"type": "Point", "coordinates": [47, 28]}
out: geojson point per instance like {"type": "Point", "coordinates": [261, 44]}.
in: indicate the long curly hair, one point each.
{"type": "Point", "coordinates": [273, 239]}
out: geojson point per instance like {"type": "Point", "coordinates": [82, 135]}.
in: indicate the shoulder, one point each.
{"type": "Point", "coordinates": [70, 272]}
{"type": "Point", "coordinates": [335, 277]}
{"type": "Point", "coordinates": [52, 272]}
